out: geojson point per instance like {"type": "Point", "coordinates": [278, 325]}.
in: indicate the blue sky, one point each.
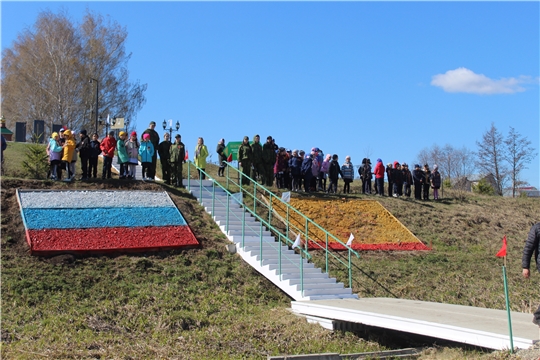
{"type": "Point", "coordinates": [384, 79]}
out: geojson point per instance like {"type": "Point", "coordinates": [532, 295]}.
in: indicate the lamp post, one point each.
{"type": "Point", "coordinates": [97, 99]}
{"type": "Point", "coordinates": [170, 127]}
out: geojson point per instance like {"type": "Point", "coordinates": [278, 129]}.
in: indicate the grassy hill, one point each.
{"type": "Point", "coordinates": [208, 304]}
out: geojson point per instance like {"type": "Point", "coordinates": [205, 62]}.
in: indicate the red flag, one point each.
{"type": "Point", "coordinates": [502, 252]}
{"type": "Point", "coordinates": [187, 156]}
{"type": "Point", "coordinates": [229, 159]}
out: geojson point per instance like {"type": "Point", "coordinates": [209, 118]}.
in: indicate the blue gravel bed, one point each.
{"type": "Point", "coordinates": [102, 217]}
{"type": "Point", "coordinates": [93, 199]}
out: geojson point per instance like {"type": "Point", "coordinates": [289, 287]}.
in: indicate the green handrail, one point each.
{"type": "Point", "coordinates": [263, 222]}
{"type": "Point", "coordinates": [308, 223]}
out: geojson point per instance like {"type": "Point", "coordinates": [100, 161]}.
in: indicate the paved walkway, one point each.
{"type": "Point", "coordinates": [465, 324]}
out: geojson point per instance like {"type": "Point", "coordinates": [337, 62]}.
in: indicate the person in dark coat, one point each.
{"type": "Point", "coordinates": [258, 162]}
{"type": "Point", "coordinates": [407, 179]}
{"type": "Point", "coordinates": [418, 180]}
{"type": "Point", "coordinates": [306, 172]}
{"type": "Point", "coordinates": [397, 178]}
{"type": "Point", "coordinates": [95, 150]}
{"type": "Point", "coordinates": [281, 167]}
{"type": "Point", "coordinates": [532, 246]}
{"type": "Point", "coordinates": [427, 182]}
{"type": "Point", "coordinates": [390, 180]}
{"type": "Point", "coordinates": [435, 182]}
{"type": "Point", "coordinates": [177, 156]}
{"type": "Point", "coordinates": [245, 158]}
{"type": "Point", "coordinates": [154, 139]}
{"type": "Point", "coordinates": [222, 158]}
{"type": "Point", "coordinates": [295, 167]}
{"type": "Point", "coordinates": [164, 148]}
{"type": "Point", "coordinates": [84, 153]}
{"type": "Point", "coordinates": [269, 160]}
{"type": "Point", "coordinates": [333, 175]}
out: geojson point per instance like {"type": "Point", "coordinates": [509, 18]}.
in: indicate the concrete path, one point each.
{"type": "Point", "coordinates": [465, 324]}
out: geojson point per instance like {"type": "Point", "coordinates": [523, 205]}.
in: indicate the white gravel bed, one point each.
{"type": "Point", "coordinates": [93, 199]}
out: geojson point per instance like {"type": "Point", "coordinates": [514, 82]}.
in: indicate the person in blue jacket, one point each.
{"type": "Point", "coordinates": [146, 151]}
{"type": "Point", "coordinates": [306, 172]}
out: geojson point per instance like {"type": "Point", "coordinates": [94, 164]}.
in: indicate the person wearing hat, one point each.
{"type": "Point", "coordinates": [69, 150]}
{"type": "Point", "coordinates": [269, 160]}
{"type": "Point", "coordinates": [84, 153]}
{"type": "Point", "coordinates": [55, 155]}
{"type": "Point", "coordinates": [164, 153]}
{"type": "Point", "coordinates": [245, 158]}
{"type": "Point", "coordinates": [222, 158]}
{"type": "Point", "coordinates": [407, 179]}
{"type": "Point", "coordinates": [435, 182]}
{"type": "Point", "coordinates": [132, 148]}
{"type": "Point", "coordinates": [154, 139]}
{"type": "Point", "coordinates": [95, 150]}
{"type": "Point", "coordinates": [107, 146]}
{"type": "Point", "coordinates": [61, 142]}
{"type": "Point", "coordinates": [418, 180]}
{"type": "Point", "coordinates": [123, 157]}
{"type": "Point", "coordinates": [258, 163]}
{"type": "Point", "coordinates": [177, 156]}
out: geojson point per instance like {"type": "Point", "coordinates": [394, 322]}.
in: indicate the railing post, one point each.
{"type": "Point", "coordinates": [261, 241]}
{"type": "Point", "coordinates": [326, 253]}
{"type": "Point", "coordinates": [350, 270]}
{"type": "Point", "coordinates": [227, 181]}
{"type": "Point", "coordinates": [227, 220]}
{"type": "Point", "coordinates": [270, 210]}
{"type": "Point", "coordinates": [243, 227]}
{"type": "Point", "coordinates": [188, 175]}
{"type": "Point", "coordinates": [213, 198]}
{"type": "Point", "coordinates": [254, 197]}
{"type": "Point", "coordinates": [302, 274]}
{"type": "Point", "coordinates": [287, 228]}
{"type": "Point", "coordinates": [279, 261]}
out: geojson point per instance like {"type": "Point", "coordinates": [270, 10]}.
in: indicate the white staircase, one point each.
{"type": "Point", "coordinates": [260, 249]}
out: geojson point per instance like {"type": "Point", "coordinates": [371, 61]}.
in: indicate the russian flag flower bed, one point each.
{"type": "Point", "coordinates": [373, 227]}
{"type": "Point", "coordinates": [80, 221]}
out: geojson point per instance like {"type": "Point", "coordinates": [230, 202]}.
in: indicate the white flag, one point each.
{"type": "Point", "coordinates": [108, 120]}
{"type": "Point", "coordinates": [286, 196]}
{"type": "Point", "coordinates": [351, 238]}
{"type": "Point", "coordinates": [237, 197]}
{"type": "Point", "coordinates": [297, 242]}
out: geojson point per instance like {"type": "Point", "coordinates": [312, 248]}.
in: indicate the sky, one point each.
{"type": "Point", "coordinates": [365, 79]}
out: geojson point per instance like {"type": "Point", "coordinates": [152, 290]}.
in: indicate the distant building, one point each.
{"type": "Point", "coordinates": [8, 134]}
{"type": "Point", "coordinates": [529, 191]}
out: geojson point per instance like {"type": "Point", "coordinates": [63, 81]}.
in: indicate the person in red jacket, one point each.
{"type": "Point", "coordinates": [108, 145]}
{"type": "Point", "coordinates": [379, 177]}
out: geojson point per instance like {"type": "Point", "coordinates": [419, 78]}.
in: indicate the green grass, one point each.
{"type": "Point", "coordinates": [208, 304]}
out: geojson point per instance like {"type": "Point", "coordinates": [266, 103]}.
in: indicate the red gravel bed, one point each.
{"type": "Point", "coordinates": [49, 241]}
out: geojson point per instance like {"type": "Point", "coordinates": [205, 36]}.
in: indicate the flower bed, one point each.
{"type": "Point", "coordinates": [373, 227]}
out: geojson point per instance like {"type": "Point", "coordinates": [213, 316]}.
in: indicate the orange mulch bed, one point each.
{"type": "Point", "coordinates": [373, 227]}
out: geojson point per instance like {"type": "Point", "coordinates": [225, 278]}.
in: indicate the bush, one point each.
{"type": "Point", "coordinates": [36, 163]}
{"type": "Point", "coordinates": [483, 187]}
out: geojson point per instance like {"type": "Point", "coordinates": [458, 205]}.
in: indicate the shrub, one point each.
{"type": "Point", "coordinates": [483, 187]}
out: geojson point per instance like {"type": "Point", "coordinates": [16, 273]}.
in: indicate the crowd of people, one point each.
{"type": "Point", "coordinates": [267, 163]}
{"type": "Point", "coordinates": [294, 170]}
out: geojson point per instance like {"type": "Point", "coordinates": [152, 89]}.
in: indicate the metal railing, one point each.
{"type": "Point", "coordinates": [245, 226]}
{"type": "Point", "coordinates": [295, 221]}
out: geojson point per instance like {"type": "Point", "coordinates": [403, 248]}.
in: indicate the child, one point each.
{"type": "Point", "coordinates": [95, 150]}
{"type": "Point", "coordinates": [123, 158]}
{"type": "Point", "coordinates": [55, 154]}
{"type": "Point", "coordinates": [68, 153]}
{"type": "Point", "coordinates": [347, 173]}
{"type": "Point", "coordinates": [132, 148]}
{"type": "Point", "coordinates": [295, 164]}
{"type": "Point", "coordinates": [146, 150]}
{"type": "Point", "coordinates": [333, 174]}
{"type": "Point", "coordinates": [177, 156]}
{"type": "Point", "coordinates": [325, 166]}
{"type": "Point", "coordinates": [108, 145]}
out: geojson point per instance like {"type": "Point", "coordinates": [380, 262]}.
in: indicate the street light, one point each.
{"type": "Point", "coordinates": [126, 122]}
{"type": "Point", "coordinates": [170, 127]}
{"type": "Point", "coordinates": [97, 99]}
{"type": "Point", "coordinates": [113, 121]}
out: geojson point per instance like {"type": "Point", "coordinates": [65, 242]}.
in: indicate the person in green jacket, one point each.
{"type": "Point", "coordinates": [258, 164]}
{"type": "Point", "coordinates": [201, 153]}
{"type": "Point", "coordinates": [269, 160]}
{"type": "Point", "coordinates": [123, 157]}
{"type": "Point", "coordinates": [245, 159]}
{"type": "Point", "coordinates": [177, 157]}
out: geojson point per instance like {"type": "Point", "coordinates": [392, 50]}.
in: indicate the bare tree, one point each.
{"type": "Point", "coordinates": [518, 154]}
{"type": "Point", "coordinates": [45, 73]}
{"type": "Point", "coordinates": [490, 157]}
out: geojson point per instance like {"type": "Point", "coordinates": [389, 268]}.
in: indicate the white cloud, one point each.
{"type": "Point", "coordinates": [466, 81]}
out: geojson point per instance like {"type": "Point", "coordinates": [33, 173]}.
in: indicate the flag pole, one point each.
{"type": "Point", "coordinates": [508, 307]}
